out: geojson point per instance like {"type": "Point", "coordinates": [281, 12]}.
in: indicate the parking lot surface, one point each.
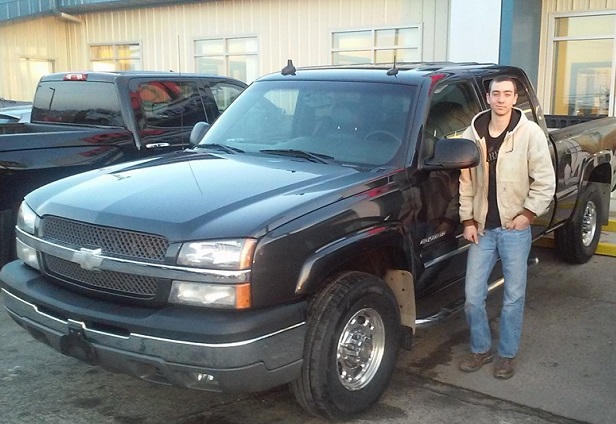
{"type": "Point", "coordinates": [565, 371]}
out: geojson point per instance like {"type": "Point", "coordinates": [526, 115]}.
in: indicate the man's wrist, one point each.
{"type": "Point", "coordinates": [528, 214]}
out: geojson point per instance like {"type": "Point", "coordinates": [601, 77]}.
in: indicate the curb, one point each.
{"type": "Point", "coordinates": [606, 248]}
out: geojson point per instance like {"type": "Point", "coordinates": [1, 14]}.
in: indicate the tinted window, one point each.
{"type": "Point", "coordinates": [224, 94]}
{"type": "Point", "coordinates": [452, 109]}
{"type": "Point", "coordinates": [171, 103]}
{"type": "Point", "coordinates": [77, 102]}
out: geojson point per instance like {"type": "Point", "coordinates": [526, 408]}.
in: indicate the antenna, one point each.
{"type": "Point", "coordinates": [289, 69]}
{"type": "Point", "coordinates": [179, 56]}
{"type": "Point", "coordinates": [394, 70]}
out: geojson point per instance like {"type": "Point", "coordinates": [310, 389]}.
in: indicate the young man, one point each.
{"type": "Point", "coordinates": [499, 199]}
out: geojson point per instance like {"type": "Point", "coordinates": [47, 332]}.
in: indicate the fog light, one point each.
{"type": "Point", "coordinates": [210, 295]}
{"type": "Point", "coordinates": [27, 254]}
{"type": "Point", "coordinates": [205, 378]}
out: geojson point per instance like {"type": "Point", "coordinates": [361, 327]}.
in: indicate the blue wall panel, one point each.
{"type": "Point", "coordinates": [20, 9]}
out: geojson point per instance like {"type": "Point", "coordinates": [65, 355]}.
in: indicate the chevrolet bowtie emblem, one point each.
{"type": "Point", "coordinates": [88, 259]}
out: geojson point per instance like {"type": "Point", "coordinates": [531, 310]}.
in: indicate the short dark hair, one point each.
{"type": "Point", "coordinates": [504, 78]}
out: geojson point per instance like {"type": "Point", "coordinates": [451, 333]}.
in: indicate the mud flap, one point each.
{"type": "Point", "coordinates": [402, 284]}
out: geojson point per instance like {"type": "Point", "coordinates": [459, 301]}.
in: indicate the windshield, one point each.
{"type": "Point", "coordinates": [349, 122]}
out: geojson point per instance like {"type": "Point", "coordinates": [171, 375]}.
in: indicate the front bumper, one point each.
{"type": "Point", "coordinates": [226, 351]}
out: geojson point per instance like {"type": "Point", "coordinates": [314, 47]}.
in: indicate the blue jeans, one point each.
{"type": "Point", "coordinates": [513, 247]}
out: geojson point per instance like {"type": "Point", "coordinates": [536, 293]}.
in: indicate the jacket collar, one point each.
{"type": "Point", "coordinates": [484, 115]}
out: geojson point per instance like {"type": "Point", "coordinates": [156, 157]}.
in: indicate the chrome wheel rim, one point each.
{"type": "Point", "coordinates": [589, 223]}
{"type": "Point", "coordinates": [360, 349]}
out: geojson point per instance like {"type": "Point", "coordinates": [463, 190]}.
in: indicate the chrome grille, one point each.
{"type": "Point", "coordinates": [108, 281]}
{"type": "Point", "coordinates": [112, 241]}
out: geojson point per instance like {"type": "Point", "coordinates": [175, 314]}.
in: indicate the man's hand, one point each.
{"type": "Point", "coordinates": [470, 233]}
{"type": "Point", "coordinates": [520, 222]}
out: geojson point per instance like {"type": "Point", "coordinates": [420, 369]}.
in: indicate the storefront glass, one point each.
{"type": "Point", "coordinates": [583, 65]}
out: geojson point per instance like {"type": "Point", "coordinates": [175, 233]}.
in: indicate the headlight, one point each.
{"type": "Point", "coordinates": [218, 254]}
{"type": "Point", "coordinates": [236, 296]}
{"type": "Point", "coordinates": [26, 219]}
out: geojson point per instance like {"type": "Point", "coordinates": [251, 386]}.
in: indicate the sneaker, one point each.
{"type": "Point", "coordinates": [474, 361]}
{"type": "Point", "coordinates": [504, 368]}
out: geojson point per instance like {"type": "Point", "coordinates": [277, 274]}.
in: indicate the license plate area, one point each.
{"type": "Point", "coordinates": [76, 345]}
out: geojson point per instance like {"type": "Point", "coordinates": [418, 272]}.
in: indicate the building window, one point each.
{"type": "Point", "coordinates": [116, 57]}
{"type": "Point", "coordinates": [377, 46]}
{"type": "Point", "coordinates": [233, 57]}
{"type": "Point", "coordinates": [583, 64]}
{"type": "Point", "coordinates": [31, 71]}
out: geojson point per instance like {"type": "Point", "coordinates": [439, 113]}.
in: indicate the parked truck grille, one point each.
{"type": "Point", "coordinates": [113, 242]}
{"type": "Point", "coordinates": [108, 281]}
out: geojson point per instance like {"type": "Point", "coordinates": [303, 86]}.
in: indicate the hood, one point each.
{"type": "Point", "coordinates": [191, 195]}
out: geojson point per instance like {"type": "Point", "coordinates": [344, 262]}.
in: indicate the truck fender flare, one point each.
{"type": "Point", "coordinates": [602, 158]}
{"type": "Point", "coordinates": [323, 260]}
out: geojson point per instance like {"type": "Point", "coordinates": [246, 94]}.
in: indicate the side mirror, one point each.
{"type": "Point", "coordinates": [198, 132]}
{"type": "Point", "coordinates": [452, 153]}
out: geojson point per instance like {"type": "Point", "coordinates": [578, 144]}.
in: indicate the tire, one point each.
{"type": "Point", "coordinates": [7, 236]}
{"type": "Point", "coordinates": [576, 242]}
{"type": "Point", "coordinates": [351, 346]}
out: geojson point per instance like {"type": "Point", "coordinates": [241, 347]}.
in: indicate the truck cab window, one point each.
{"type": "Point", "coordinates": [73, 102]}
{"type": "Point", "coordinates": [171, 103]}
{"type": "Point", "coordinates": [224, 94]}
{"type": "Point", "coordinates": [451, 111]}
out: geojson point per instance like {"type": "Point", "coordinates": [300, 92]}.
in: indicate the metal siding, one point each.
{"type": "Point", "coordinates": [296, 29]}
{"type": "Point", "coordinates": [50, 43]}
{"type": "Point", "coordinates": [286, 29]}
{"type": "Point", "coordinates": [440, 30]}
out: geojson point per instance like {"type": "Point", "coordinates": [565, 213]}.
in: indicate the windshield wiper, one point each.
{"type": "Point", "coordinates": [313, 157]}
{"type": "Point", "coordinates": [222, 147]}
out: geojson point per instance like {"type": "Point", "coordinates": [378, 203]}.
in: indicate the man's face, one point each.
{"type": "Point", "coordinates": [502, 97]}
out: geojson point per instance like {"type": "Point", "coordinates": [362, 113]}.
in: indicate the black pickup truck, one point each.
{"type": "Point", "coordinates": [294, 243]}
{"type": "Point", "coordinates": [83, 121]}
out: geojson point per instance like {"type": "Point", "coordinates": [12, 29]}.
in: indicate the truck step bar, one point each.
{"type": "Point", "coordinates": [458, 304]}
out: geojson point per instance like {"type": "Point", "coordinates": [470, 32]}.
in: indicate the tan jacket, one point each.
{"type": "Point", "coordinates": [525, 177]}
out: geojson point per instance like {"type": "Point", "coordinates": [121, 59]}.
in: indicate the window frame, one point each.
{"type": "Point", "coordinates": [116, 59]}
{"type": "Point", "coordinates": [226, 55]}
{"type": "Point", "coordinates": [549, 88]}
{"type": "Point", "coordinates": [374, 48]}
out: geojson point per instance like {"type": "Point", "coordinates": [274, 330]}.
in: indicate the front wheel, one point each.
{"type": "Point", "coordinates": [7, 236]}
{"type": "Point", "coordinates": [351, 346]}
{"type": "Point", "coordinates": [577, 241]}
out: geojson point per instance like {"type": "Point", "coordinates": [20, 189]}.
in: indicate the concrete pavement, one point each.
{"type": "Point", "coordinates": [568, 351]}
{"type": "Point", "coordinates": [567, 360]}
{"type": "Point", "coordinates": [566, 371]}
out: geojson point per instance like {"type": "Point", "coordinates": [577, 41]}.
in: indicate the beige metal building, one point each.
{"type": "Point", "coordinates": [566, 46]}
{"type": "Point", "coordinates": [242, 39]}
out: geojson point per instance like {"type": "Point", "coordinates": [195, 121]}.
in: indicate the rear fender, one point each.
{"type": "Point", "coordinates": [597, 169]}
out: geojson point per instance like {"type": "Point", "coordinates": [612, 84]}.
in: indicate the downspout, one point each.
{"type": "Point", "coordinates": [55, 10]}
{"type": "Point", "coordinates": [68, 18]}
